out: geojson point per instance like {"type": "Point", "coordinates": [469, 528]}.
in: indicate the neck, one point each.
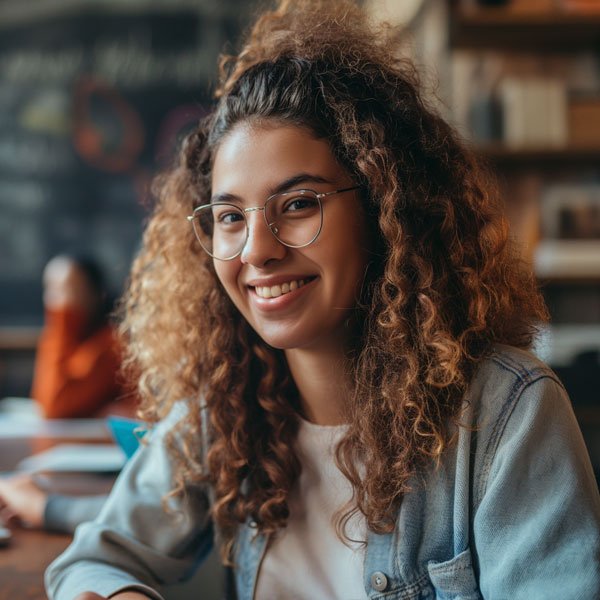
{"type": "Point", "coordinates": [322, 382]}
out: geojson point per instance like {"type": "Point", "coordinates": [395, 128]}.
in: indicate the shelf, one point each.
{"type": "Point", "coordinates": [19, 338]}
{"type": "Point", "coordinates": [580, 281]}
{"type": "Point", "coordinates": [575, 260]}
{"type": "Point", "coordinates": [508, 31]}
{"type": "Point", "coordinates": [541, 157]}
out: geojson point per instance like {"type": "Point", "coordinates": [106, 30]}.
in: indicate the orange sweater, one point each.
{"type": "Point", "coordinates": [75, 377]}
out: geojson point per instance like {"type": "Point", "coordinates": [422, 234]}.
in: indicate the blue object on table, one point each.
{"type": "Point", "coordinates": [127, 433]}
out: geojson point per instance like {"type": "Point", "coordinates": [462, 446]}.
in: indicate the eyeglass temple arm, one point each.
{"type": "Point", "coordinates": [353, 187]}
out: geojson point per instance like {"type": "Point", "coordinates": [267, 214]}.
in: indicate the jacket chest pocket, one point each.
{"type": "Point", "coordinates": [454, 579]}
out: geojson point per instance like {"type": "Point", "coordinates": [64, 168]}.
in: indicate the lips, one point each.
{"type": "Point", "coordinates": [274, 291]}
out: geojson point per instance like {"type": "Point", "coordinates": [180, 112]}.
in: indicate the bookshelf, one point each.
{"type": "Point", "coordinates": [534, 119]}
{"type": "Point", "coordinates": [556, 211]}
{"type": "Point", "coordinates": [484, 28]}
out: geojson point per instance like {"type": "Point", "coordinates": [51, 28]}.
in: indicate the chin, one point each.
{"type": "Point", "coordinates": [281, 342]}
{"type": "Point", "coordinates": [284, 339]}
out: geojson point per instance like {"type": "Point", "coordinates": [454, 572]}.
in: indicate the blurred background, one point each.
{"type": "Point", "coordinates": [96, 96]}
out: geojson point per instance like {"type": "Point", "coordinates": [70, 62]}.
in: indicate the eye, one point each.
{"type": "Point", "coordinates": [226, 215]}
{"type": "Point", "coordinates": [231, 217]}
{"type": "Point", "coordinates": [300, 203]}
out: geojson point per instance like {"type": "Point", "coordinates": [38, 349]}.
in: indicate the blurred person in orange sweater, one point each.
{"type": "Point", "coordinates": [78, 357]}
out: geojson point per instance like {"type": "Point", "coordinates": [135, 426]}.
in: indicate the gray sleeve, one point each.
{"type": "Point", "coordinates": [65, 513]}
{"type": "Point", "coordinates": [134, 542]}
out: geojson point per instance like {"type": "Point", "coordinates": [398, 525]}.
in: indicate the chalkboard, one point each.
{"type": "Point", "coordinates": [93, 103]}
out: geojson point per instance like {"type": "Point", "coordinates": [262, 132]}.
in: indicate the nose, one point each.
{"type": "Point", "coordinates": [261, 245]}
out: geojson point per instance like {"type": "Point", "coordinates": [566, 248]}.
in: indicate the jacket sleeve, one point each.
{"type": "Point", "coordinates": [133, 542]}
{"type": "Point", "coordinates": [64, 513]}
{"type": "Point", "coordinates": [537, 525]}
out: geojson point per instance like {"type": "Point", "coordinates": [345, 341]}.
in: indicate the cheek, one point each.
{"type": "Point", "coordinates": [347, 249]}
{"type": "Point", "coordinates": [227, 275]}
{"type": "Point", "coordinates": [356, 259]}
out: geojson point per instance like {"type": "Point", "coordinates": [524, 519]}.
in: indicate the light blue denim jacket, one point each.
{"type": "Point", "coordinates": [512, 512]}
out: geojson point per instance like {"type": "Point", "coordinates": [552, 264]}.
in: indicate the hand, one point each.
{"type": "Point", "coordinates": [22, 498]}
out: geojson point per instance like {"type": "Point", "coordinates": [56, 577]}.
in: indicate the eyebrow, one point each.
{"type": "Point", "coordinates": [290, 183]}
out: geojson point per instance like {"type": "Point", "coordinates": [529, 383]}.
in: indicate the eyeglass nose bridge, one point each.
{"type": "Point", "coordinates": [272, 226]}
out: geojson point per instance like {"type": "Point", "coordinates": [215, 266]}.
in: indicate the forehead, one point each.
{"type": "Point", "coordinates": [253, 155]}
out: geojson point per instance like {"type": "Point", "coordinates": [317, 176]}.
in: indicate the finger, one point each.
{"type": "Point", "coordinates": [9, 517]}
{"type": "Point", "coordinates": [14, 520]}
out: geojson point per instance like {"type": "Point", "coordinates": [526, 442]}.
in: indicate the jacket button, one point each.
{"type": "Point", "coordinates": [379, 581]}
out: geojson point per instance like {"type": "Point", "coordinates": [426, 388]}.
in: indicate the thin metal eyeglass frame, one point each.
{"type": "Point", "coordinates": [191, 218]}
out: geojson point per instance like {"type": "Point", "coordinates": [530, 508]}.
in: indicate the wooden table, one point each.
{"type": "Point", "coordinates": [22, 564]}
{"type": "Point", "coordinates": [30, 551]}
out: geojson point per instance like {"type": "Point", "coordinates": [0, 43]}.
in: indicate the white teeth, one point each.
{"type": "Point", "coordinates": [277, 290]}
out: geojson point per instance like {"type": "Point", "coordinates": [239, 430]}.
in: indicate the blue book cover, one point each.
{"type": "Point", "coordinates": [127, 433]}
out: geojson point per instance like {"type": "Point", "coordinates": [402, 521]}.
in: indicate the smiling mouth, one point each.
{"type": "Point", "coordinates": [274, 291]}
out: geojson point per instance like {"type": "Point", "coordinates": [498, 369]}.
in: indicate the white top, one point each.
{"type": "Point", "coordinates": [307, 560]}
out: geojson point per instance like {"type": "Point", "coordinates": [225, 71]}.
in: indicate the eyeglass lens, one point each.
{"type": "Point", "coordinates": [294, 218]}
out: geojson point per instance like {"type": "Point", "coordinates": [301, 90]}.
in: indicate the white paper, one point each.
{"type": "Point", "coordinates": [99, 458]}
{"type": "Point", "coordinates": [21, 418]}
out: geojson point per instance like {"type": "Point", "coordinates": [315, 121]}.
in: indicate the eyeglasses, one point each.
{"type": "Point", "coordinates": [295, 218]}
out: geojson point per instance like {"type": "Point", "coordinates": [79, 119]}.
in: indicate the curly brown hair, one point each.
{"type": "Point", "coordinates": [444, 285]}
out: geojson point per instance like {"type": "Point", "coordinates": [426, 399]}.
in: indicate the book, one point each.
{"type": "Point", "coordinates": [567, 258]}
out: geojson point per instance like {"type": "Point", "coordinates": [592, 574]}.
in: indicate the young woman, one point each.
{"type": "Point", "coordinates": [336, 354]}
{"type": "Point", "coordinates": [78, 358]}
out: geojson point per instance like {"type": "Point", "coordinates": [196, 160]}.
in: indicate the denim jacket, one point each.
{"type": "Point", "coordinates": [512, 512]}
